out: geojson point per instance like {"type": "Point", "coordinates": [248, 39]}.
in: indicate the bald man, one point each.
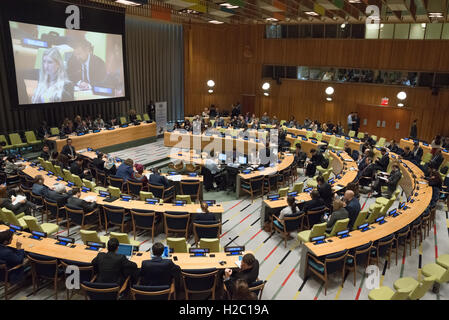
{"type": "Point", "coordinates": [352, 205]}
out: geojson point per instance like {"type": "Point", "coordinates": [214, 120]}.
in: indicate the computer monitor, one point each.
{"type": "Point", "coordinates": [125, 249]}
{"type": "Point", "coordinates": [242, 160]}
{"type": "Point", "coordinates": [222, 157]}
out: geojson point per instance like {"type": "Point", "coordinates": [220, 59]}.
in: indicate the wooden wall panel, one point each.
{"type": "Point", "coordinates": [233, 57]}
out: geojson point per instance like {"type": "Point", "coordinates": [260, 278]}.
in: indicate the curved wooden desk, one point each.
{"type": "Point", "coordinates": [344, 166]}
{"type": "Point", "coordinates": [48, 247]}
{"type": "Point", "coordinates": [106, 138]}
{"type": "Point", "coordinates": [392, 224]}
{"type": "Point", "coordinates": [405, 142]}
{"type": "Point", "coordinates": [354, 144]}
{"type": "Point", "coordinates": [132, 204]}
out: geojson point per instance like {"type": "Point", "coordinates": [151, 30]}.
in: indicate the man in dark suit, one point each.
{"type": "Point", "coordinates": [45, 154]}
{"type": "Point", "coordinates": [407, 154]}
{"type": "Point", "coordinates": [98, 162]}
{"type": "Point", "coordinates": [85, 69]}
{"type": "Point", "coordinates": [58, 195]}
{"type": "Point", "coordinates": [157, 179]}
{"type": "Point", "coordinates": [352, 205]}
{"type": "Point", "coordinates": [248, 271]}
{"type": "Point", "coordinates": [417, 153]}
{"type": "Point", "coordinates": [391, 182]}
{"type": "Point", "coordinates": [158, 271]}
{"type": "Point", "coordinates": [111, 267]}
{"type": "Point", "coordinates": [12, 257]}
{"type": "Point", "coordinates": [382, 163]}
{"type": "Point", "coordinates": [315, 203]}
{"type": "Point", "coordinates": [436, 160]}
{"type": "Point", "coordinates": [69, 150]}
{"type": "Point", "coordinates": [39, 188]}
{"type": "Point", "coordinates": [75, 202]}
{"type": "Point", "coordinates": [338, 213]}
{"type": "Point", "coordinates": [325, 190]}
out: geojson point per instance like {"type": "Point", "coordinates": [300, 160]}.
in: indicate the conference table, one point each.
{"type": "Point", "coordinates": [306, 144]}
{"type": "Point", "coordinates": [353, 143]}
{"type": "Point", "coordinates": [410, 186]}
{"type": "Point", "coordinates": [208, 142]}
{"type": "Point", "coordinates": [80, 253]}
{"type": "Point", "coordinates": [106, 138]}
{"type": "Point", "coordinates": [193, 209]}
{"type": "Point", "coordinates": [343, 165]}
{"type": "Point", "coordinates": [406, 142]}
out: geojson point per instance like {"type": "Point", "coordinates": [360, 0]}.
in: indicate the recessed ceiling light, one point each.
{"type": "Point", "coordinates": [233, 7]}
{"type": "Point", "coordinates": [215, 22]}
{"type": "Point", "coordinates": [435, 15]}
{"type": "Point", "coordinates": [400, 104]}
{"type": "Point", "coordinates": [225, 4]}
{"type": "Point", "coordinates": [128, 3]}
{"type": "Point", "coordinates": [271, 19]}
{"type": "Point", "coordinates": [311, 13]}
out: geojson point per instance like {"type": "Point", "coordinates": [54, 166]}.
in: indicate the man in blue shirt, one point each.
{"type": "Point", "coordinates": [352, 205]}
{"type": "Point", "coordinates": [125, 170]}
{"type": "Point", "coordinates": [11, 257]}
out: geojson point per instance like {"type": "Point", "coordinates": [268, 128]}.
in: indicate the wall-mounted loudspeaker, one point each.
{"type": "Point", "coordinates": [435, 91]}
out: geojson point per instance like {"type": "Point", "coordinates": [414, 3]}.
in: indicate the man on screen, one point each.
{"type": "Point", "coordinates": [84, 68]}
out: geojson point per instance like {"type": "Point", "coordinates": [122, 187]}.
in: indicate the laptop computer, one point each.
{"type": "Point", "coordinates": [126, 250]}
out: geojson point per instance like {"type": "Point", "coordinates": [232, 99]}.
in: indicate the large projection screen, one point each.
{"type": "Point", "coordinates": [60, 65]}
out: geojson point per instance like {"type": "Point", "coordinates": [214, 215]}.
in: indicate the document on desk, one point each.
{"type": "Point", "coordinates": [90, 198]}
{"type": "Point", "coordinates": [238, 263]}
{"type": "Point", "coordinates": [18, 199]}
{"type": "Point", "coordinates": [337, 188]}
{"type": "Point", "coordinates": [353, 169]}
{"type": "Point", "coordinates": [177, 177]}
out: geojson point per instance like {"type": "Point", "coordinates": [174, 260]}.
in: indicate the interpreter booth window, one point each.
{"type": "Point", "coordinates": [273, 31]}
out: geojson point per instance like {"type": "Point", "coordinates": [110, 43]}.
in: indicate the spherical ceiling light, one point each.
{"type": "Point", "coordinates": [266, 86]}
{"type": "Point", "coordinates": [210, 83]}
{"type": "Point", "coordinates": [402, 95]}
{"type": "Point", "coordinates": [329, 90]}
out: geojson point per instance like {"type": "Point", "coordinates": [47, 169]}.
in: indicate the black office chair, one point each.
{"type": "Point", "coordinates": [144, 220]}
{"type": "Point", "coordinates": [191, 188]}
{"type": "Point", "coordinates": [116, 216]}
{"type": "Point", "coordinates": [86, 272]}
{"type": "Point", "coordinates": [116, 182]}
{"type": "Point", "coordinates": [257, 287]}
{"type": "Point", "coordinates": [139, 292]}
{"type": "Point", "coordinates": [206, 229]}
{"type": "Point", "coordinates": [200, 281]}
{"type": "Point", "coordinates": [134, 187]}
{"type": "Point", "coordinates": [52, 209]}
{"type": "Point", "coordinates": [103, 291]}
{"type": "Point", "coordinates": [80, 218]}
{"type": "Point", "coordinates": [47, 268]}
{"type": "Point", "coordinates": [177, 222]}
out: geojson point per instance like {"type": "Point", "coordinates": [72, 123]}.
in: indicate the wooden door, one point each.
{"type": "Point", "coordinates": [248, 104]}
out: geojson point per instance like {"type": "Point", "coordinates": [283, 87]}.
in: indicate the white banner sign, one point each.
{"type": "Point", "coordinates": [161, 117]}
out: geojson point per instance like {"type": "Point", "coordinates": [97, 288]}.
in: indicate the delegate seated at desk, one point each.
{"type": "Point", "coordinates": [157, 179]}
{"type": "Point", "coordinates": [158, 271]}
{"type": "Point", "coordinates": [69, 150]}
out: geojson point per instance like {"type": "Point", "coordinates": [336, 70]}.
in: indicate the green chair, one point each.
{"type": "Point", "coordinates": [385, 293]}
{"type": "Point", "coordinates": [212, 244]}
{"type": "Point", "coordinates": [123, 120]}
{"type": "Point", "coordinates": [114, 191]}
{"type": "Point", "coordinates": [332, 142]}
{"type": "Point", "coordinates": [11, 218]}
{"type": "Point", "coordinates": [440, 273]}
{"type": "Point", "coordinates": [123, 238]}
{"type": "Point", "coordinates": [67, 175]}
{"type": "Point", "coordinates": [282, 122]}
{"type": "Point", "coordinates": [41, 162]}
{"type": "Point", "coordinates": [443, 260]}
{"type": "Point", "coordinates": [33, 225]}
{"type": "Point", "coordinates": [312, 182]}
{"type": "Point", "coordinates": [54, 131]}
{"type": "Point", "coordinates": [77, 181]}
{"type": "Point", "coordinates": [298, 187]}
{"type": "Point", "coordinates": [16, 141]}
{"type": "Point", "coordinates": [426, 158]}
{"type": "Point", "coordinates": [360, 135]}
{"type": "Point", "coordinates": [92, 235]}
{"type": "Point", "coordinates": [380, 143]}
{"type": "Point", "coordinates": [319, 136]}
{"type": "Point", "coordinates": [361, 218]}
{"type": "Point", "coordinates": [321, 169]}
{"type": "Point", "coordinates": [283, 192]}
{"type": "Point", "coordinates": [445, 165]}
{"type": "Point", "coordinates": [146, 117]}
{"type": "Point", "coordinates": [374, 138]}
{"type": "Point", "coordinates": [179, 245]}
{"type": "Point", "coordinates": [340, 225]}
{"type": "Point", "coordinates": [212, 122]}
{"type": "Point", "coordinates": [139, 117]}
{"type": "Point", "coordinates": [3, 139]}
{"type": "Point", "coordinates": [31, 138]}
{"type": "Point", "coordinates": [419, 288]}
{"type": "Point", "coordinates": [374, 214]}
{"type": "Point", "coordinates": [58, 171]}
{"type": "Point", "coordinates": [351, 133]}
{"type": "Point", "coordinates": [144, 195]}
{"type": "Point", "coordinates": [340, 145]}
{"type": "Point", "coordinates": [184, 197]}
{"type": "Point", "coordinates": [384, 201]}
{"type": "Point", "coordinates": [317, 230]}
{"type": "Point", "coordinates": [327, 173]}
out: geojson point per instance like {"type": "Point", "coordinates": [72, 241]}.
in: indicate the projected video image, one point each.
{"type": "Point", "coordinates": [61, 65]}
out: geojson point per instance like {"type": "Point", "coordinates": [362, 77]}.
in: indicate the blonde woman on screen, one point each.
{"type": "Point", "coordinates": [53, 85]}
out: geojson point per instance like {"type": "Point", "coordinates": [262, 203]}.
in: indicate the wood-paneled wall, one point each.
{"type": "Point", "coordinates": [233, 57]}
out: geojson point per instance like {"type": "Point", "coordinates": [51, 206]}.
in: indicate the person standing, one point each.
{"type": "Point", "coordinates": [414, 130]}
{"type": "Point", "coordinates": [350, 121]}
